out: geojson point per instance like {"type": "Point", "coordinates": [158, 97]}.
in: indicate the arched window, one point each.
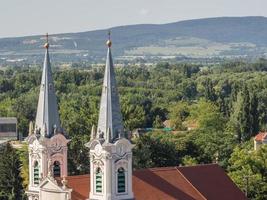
{"type": "Point", "coordinates": [36, 173]}
{"type": "Point", "coordinates": [98, 180]}
{"type": "Point", "coordinates": [56, 169]}
{"type": "Point", "coordinates": [121, 180]}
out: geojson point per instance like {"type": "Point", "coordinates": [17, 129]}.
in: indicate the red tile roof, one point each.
{"type": "Point", "coordinates": [202, 182]}
{"type": "Point", "coordinates": [212, 182]}
{"type": "Point", "coordinates": [261, 136]}
{"type": "Point", "coordinates": [162, 183]}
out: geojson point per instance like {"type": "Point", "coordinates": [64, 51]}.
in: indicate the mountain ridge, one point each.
{"type": "Point", "coordinates": [207, 37]}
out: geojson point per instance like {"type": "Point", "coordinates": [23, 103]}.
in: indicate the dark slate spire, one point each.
{"type": "Point", "coordinates": [110, 118]}
{"type": "Point", "coordinates": [47, 117]}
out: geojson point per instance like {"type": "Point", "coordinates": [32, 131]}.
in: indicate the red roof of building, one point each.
{"type": "Point", "coordinates": [202, 182]}
{"type": "Point", "coordinates": [261, 136]}
{"type": "Point", "coordinates": [212, 182]}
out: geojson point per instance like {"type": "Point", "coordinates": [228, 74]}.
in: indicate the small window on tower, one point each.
{"type": "Point", "coordinates": [56, 169]}
{"type": "Point", "coordinates": [121, 180]}
{"type": "Point", "coordinates": [36, 173]}
{"type": "Point", "coordinates": [98, 180]}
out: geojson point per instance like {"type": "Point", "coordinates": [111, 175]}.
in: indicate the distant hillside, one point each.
{"type": "Point", "coordinates": [200, 38]}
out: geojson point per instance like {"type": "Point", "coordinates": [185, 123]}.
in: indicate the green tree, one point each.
{"type": "Point", "coordinates": [245, 118]}
{"type": "Point", "coordinates": [213, 146]}
{"type": "Point", "coordinates": [262, 108]}
{"type": "Point", "coordinates": [234, 124]}
{"type": "Point", "coordinates": [157, 122]}
{"type": "Point", "coordinates": [248, 170]}
{"type": "Point", "coordinates": [207, 115]}
{"type": "Point", "coordinates": [178, 113]}
{"type": "Point", "coordinates": [24, 158]}
{"type": "Point", "coordinates": [78, 155]}
{"type": "Point", "coordinates": [152, 152]}
{"type": "Point", "coordinates": [254, 113]}
{"type": "Point", "coordinates": [141, 153]}
{"type": "Point", "coordinates": [10, 174]}
{"type": "Point", "coordinates": [209, 92]}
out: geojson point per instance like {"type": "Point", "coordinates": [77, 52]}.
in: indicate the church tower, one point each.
{"type": "Point", "coordinates": [48, 142]}
{"type": "Point", "coordinates": [110, 150]}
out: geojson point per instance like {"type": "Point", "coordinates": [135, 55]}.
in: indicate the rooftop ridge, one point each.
{"type": "Point", "coordinates": [191, 184]}
{"type": "Point", "coordinates": [198, 165]}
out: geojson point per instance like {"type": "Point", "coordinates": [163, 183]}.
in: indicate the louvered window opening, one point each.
{"type": "Point", "coordinates": [98, 178]}
{"type": "Point", "coordinates": [36, 173]}
{"type": "Point", "coordinates": [121, 180]}
{"type": "Point", "coordinates": [56, 169]}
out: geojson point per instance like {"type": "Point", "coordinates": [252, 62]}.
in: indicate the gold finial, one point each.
{"type": "Point", "coordinates": [109, 43]}
{"type": "Point", "coordinates": [46, 45]}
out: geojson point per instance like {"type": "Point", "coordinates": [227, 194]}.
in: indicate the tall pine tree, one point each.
{"type": "Point", "coordinates": [254, 114]}
{"type": "Point", "coordinates": [209, 91]}
{"type": "Point", "coordinates": [245, 118]}
{"type": "Point", "coordinates": [10, 178]}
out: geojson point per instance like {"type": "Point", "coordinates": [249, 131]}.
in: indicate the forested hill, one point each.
{"type": "Point", "coordinates": [200, 38]}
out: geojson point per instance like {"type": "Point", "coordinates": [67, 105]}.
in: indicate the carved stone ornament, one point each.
{"type": "Point", "coordinates": [35, 157]}
{"type": "Point", "coordinates": [33, 196]}
{"type": "Point", "coordinates": [57, 145]}
{"type": "Point", "coordinates": [35, 146]}
{"type": "Point", "coordinates": [108, 156]}
{"type": "Point", "coordinates": [120, 149]}
{"type": "Point", "coordinates": [98, 163]}
{"type": "Point", "coordinates": [98, 149]}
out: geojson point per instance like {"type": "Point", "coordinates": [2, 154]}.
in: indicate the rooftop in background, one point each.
{"type": "Point", "coordinates": [8, 128]}
{"type": "Point", "coordinates": [4, 120]}
{"type": "Point", "coordinates": [260, 139]}
{"type": "Point", "coordinates": [199, 182]}
{"type": "Point", "coordinates": [261, 136]}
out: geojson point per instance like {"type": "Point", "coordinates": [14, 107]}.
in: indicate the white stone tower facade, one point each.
{"type": "Point", "coordinates": [48, 143]}
{"type": "Point", "coordinates": [110, 151]}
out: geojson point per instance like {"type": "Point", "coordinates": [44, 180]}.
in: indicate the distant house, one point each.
{"type": "Point", "coordinates": [8, 128]}
{"type": "Point", "coordinates": [260, 139]}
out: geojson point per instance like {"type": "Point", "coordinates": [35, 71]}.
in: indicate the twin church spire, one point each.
{"type": "Point", "coordinates": [47, 118]}
{"type": "Point", "coordinates": [110, 152]}
{"type": "Point", "coordinates": [110, 126]}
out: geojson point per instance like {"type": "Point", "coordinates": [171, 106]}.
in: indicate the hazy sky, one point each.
{"type": "Point", "coordinates": [30, 17]}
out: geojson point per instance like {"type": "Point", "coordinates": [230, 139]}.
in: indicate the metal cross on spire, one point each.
{"type": "Point", "coordinates": [46, 37]}
{"type": "Point", "coordinates": [109, 34]}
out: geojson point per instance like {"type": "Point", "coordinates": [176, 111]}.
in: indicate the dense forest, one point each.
{"type": "Point", "coordinates": [213, 113]}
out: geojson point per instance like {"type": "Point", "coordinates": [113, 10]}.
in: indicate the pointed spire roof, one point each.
{"type": "Point", "coordinates": [110, 118]}
{"type": "Point", "coordinates": [47, 117]}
